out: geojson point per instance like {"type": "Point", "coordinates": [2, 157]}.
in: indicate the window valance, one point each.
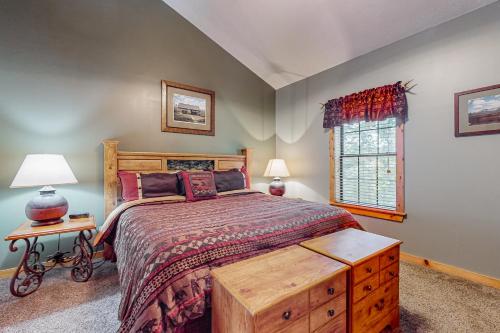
{"type": "Point", "coordinates": [369, 105]}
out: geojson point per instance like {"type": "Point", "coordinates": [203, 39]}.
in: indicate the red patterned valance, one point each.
{"type": "Point", "coordinates": [369, 105]}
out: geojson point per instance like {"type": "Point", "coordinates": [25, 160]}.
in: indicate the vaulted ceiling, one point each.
{"type": "Point", "coordinates": [284, 41]}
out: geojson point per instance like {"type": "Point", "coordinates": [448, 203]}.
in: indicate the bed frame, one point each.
{"type": "Point", "coordinates": [115, 161]}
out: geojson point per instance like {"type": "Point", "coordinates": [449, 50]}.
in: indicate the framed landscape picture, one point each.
{"type": "Point", "coordinates": [187, 109]}
{"type": "Point", "coordinates": [477, 112]}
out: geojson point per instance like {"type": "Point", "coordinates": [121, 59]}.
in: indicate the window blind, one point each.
{"type": "Point", "coordinates": [365, 164]}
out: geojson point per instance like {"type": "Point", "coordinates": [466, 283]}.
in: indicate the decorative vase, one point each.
{"type": "Point", "coordinates": [277, 187]}
{"type": "Point", "coordinates": [47, 208]}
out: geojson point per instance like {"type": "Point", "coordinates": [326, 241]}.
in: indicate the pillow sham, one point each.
{"type": "Point", "coordinates": [182, 189]}
{"type": "Point", "coordinates": [244, 171]}
{"type": "Point", "coordinates": [199, 185]}
{"type": "Point", "coordinates": [148, 185]}
{"type": "Point", "coordinates": [229, 180]}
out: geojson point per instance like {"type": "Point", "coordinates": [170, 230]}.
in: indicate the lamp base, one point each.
{"type": "Point", "coordinates": [277, 187]}
{"type": "Point", "coordinates": [44, 223]}
{"type": "Point", "coordinates": [47, 208]}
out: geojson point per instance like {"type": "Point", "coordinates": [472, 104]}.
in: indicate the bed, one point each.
{"type": "Point", "coordinates": [165, 247]}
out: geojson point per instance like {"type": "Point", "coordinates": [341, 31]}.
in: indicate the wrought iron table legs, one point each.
{"type": "Point", "coordinates": [29, 274]}
{"type": "Point", "coordinates": [82, 267]}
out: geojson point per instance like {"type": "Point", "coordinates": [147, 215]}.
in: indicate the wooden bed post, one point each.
{"type": "Point", "coordinates": [110, 172]}
{"type": "Point", "coordinates": [248, 152]}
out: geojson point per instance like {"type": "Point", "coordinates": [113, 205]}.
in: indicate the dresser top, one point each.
{"type": "Point", "coordinates": [262, 281]}
{"type": "Point", "coordinates": [351, 246]}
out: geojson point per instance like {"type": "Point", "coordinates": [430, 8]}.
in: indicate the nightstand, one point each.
{"type": "Point", "coordinates": [29, 274]}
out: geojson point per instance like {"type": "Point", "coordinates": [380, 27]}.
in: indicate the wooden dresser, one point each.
{"type": "Point", "coordinates": [373, 293]}
{"type": "Point", "coordinates": [290, 290]}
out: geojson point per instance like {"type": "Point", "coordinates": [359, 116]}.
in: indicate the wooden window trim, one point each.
{"type": "Point", "coordinates": [384, 214]}
{"type": "Point", "coordinates": [397, 215]}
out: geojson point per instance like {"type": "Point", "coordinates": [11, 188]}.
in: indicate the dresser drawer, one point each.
{"type": "Point", "coordinates": [389, 257]}
{"type": "Point", "coordinates": [282, 314]}
{"type": "Point", "coordinates": [365, 287]}
{"type": "Point", "coordinates": [389, 324]}
{"type": "Point", "coordinates": [389, 273]}
{"type": "Point", "coordinates": [337, 325]}
{"type": "Point", "coordinates": [365, 269]}
{"type": "Point", "coordinates": [327, 312]}
{"type": "Point", "coordinates": [300, 325]}
{"type": "Point", "coordinates": [327, 290]}
{"type": "Point", "coordinates": [373, 308]}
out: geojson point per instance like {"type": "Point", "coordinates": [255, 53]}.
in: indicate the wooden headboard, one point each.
{"type": "Point", "coordinates": [116, 160]}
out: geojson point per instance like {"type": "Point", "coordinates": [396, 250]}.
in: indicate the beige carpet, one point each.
{"type": "Point", "coordinates": [430, 302]}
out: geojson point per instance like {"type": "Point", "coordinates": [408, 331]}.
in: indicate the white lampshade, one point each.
{"type": "Point", "coordinates": [43, 170]}
{"type": "Point", "coordinates": [276, 168]}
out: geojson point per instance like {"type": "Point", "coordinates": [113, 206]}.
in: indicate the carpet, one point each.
{"type": "Point", "coordinates": [430, 302]}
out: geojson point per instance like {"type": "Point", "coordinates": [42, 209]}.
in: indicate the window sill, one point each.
{"type": "Point", "coordinates": [383, 214]}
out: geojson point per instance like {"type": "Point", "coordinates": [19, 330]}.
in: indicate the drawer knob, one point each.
{"type": "Point", "coordinates": [287, 314]}
{"type": "Point", "coordinates": [380, 305]}
{"type": "Point", "coordinates": [331, 313]}
{"type": "Point", "coordinates": [392, 257]}
{"type": "Point", "coordinates": [331, 291]}
{"type": "Point", "coordinates": [393, 274]}
{"type": "Point", "coordinates": [368, 287]}
{"type": "Point", "coordinates": [369, 269]}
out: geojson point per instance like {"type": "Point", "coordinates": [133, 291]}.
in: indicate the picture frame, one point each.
{"type": "Point", "coordinates": [187, 109]}
{"type": "Point", "coordinates": [477, 111]}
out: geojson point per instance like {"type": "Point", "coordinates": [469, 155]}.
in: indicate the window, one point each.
{"type": "Point", "coordinates": [367, 177]}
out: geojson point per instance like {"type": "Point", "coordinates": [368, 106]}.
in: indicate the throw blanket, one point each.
{"type": "Point", "coordinates": [165, 249]}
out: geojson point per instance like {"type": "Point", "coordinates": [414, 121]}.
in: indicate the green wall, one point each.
{"type": "Point", "coordinates": [73, 73]}
{"type": "Point", "coordinates": [452, 185]}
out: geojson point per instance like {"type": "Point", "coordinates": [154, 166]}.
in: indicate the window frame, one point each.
{"type": "Point", "coordinates": [397, 215]}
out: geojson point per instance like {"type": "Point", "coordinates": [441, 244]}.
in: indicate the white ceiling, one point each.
{"type": "Point", "coordinates": [284, 41]}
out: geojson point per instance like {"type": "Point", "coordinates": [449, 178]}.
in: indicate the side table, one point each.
{"type": "Point", "coordinates": [29, 274]}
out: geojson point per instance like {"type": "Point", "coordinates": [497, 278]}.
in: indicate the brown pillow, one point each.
{"type": "Point", "coordinates": [229, 180]}
{"type": "Point", "coordinates": [159, 184]}
{"type": "Point", "coordinates": [148, 185]}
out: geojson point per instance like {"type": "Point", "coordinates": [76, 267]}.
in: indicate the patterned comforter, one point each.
{"type": "Point", "coordinates": [165, 250]}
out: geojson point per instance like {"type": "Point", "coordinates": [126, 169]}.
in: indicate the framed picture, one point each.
{"type": "Point", "coordinates": [477, 112]}
{"type": "Point", "coordinates": [187, 109]}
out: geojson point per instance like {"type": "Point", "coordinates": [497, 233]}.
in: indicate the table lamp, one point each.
{"type": "Point", "coordinates": [45, 170]}
{"type": "Point", "coordinates": [276, 168]}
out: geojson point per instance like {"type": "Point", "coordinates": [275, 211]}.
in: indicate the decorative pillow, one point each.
{"type": "Point", "coordinates": [244, 171]}
{"type": "Point", "coordinates": [182, 189]}
{"type": "Point", "coordinates": [148, 185]}
{"type": "Point", "coordinates": [229, 180]}
{"type": "Point", "coordinates": [199, 185]}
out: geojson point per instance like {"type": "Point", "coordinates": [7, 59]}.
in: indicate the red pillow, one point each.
{"type": "Point", "coordinates": [130, 185]}
{"type": "Point", "coordinates": [244, 171]}
{"type": "Point", "coordinates": [199, 185]}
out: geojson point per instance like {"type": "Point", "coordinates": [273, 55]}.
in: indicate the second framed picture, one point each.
{"type": "Point", "coordinates": [187, 109]}
{"type": "Point", "coordinates": [477, 111]}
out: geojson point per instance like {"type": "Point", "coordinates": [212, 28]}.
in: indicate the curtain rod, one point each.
{"type": "Point", "coordinates": [407, 83]}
